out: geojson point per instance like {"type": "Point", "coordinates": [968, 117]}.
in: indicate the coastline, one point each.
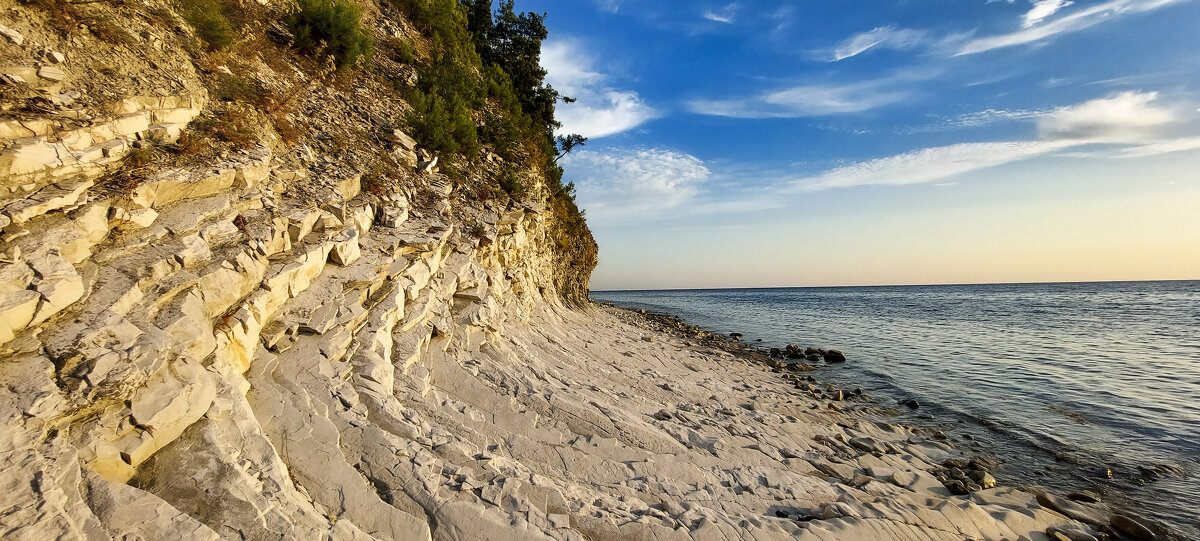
{"type": "Point", "coordinates": [1092, 516]}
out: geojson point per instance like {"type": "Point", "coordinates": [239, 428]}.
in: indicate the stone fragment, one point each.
{"type": "Point", "coordinates": [12, 35]}
{"type": "Point", "coordinates": [16, 311]}
{"type": "Point", "coordinates": [406, 142]}
{"type": "Point", "coordinates": [15, 276]}
{"type": "Point", "coordinates": [194, 250]}
{"type": "Point", "coordinates": [345, 249]}
{"type": "Point", "coordinates": [51, 73]}
{"type": "Point", "coordinates": [322, 319]}
{"type": "Point", "coordinates": [58, 282]}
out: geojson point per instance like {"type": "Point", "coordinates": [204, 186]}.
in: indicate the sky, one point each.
{"type": "Point", "coordinates": [862, 142]}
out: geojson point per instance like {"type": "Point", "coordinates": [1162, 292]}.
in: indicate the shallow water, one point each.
{"type": "Point", "coordinates": [1108, 373]}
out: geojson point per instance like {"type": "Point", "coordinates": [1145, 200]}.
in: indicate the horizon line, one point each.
{"type": "Point", "coordinates": [1048, 282]}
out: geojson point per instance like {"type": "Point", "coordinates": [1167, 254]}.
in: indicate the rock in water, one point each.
{"type": "Point", "coordinates": [835, 356]}
{"type": "Point", "coordinates": [1131, 527]}
{"type": "Point", "coordinates": [1078, 511]}
{"type": "Point", "coordinates": [1067, 534]}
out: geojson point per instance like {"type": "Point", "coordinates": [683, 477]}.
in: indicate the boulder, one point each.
{"type": "Point", "coordinates": [834, 356]}
{"type": "Point", "coordinates": [984, 479]}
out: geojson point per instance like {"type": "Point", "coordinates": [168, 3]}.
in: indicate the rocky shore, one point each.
{"type": "Point", "coordinates": [962, 475]}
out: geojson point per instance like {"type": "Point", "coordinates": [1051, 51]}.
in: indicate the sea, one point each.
{"type": "Point", "coordinates": [1060, 381]}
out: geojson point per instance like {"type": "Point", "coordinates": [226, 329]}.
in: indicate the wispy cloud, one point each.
{"type": "Point", "coordinates": [1070, 22]}
{"type": "Point", "coordinates": [601, 110]}
{"type": "Point", "coordinates": [1156, 148]}
{"type": "Point", "coordinates": [883, 37]}
{"type": "Point", "coordinates": [1128, 118]}
{"type": "Point", "coordinates": [986, 117]}
{"type": "Point", "coordinates": [722, 15]}
{"type": "Point", "coordinates": [814, 99]}
{"type": "Point", "coordinates": [646, 182]}
{"type": "Point", "coordinates": [611, 6]}
{"type": "Point", "coordinates": [928, 164]}
{"type": "Point", "coordinates": [1042, 9]}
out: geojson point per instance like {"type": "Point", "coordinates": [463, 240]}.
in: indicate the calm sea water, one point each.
{"type": "Point", "coordinates": [1107, 373]}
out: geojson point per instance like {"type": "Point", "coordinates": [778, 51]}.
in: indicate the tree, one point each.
{"type": "Point", "coordinates": [479, 24]}
{"type": "Point", "coordinates": [567, 143]}
{"type": "Point", "coordinates": [516, 45]}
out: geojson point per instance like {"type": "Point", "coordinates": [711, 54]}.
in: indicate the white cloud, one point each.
{"type": "Point", "coordinates": [568, 70]}
{"type": "Point", "coordinates": [928, 164]}
{"type": "Point", "coordinates": [887, 37]}
{"type": "Point", "coordinates": [722, 15]}
{"type": "Point", "coordinates": [604, 114]}
{"type": "Point", "coordinates": [810, 100]}
{"type": "Point", "coordinates": [1128, 118]}
{"type": "Point", "coordinates": [1071, 22]}
{"type": "Point", "coordinates": [1042, 9]}
{"type": "Point", "coordinates": [1124, 117]}
{"type": "Point", "coordinates": [634, 183]}
{"type": "Point", "coordinates": [600, 110]}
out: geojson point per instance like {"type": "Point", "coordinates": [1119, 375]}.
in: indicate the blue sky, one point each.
{"type": "Point", "coordinates": [797, 143]}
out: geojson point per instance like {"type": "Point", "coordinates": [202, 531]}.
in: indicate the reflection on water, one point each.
{"type": "Point", "coordinates": [1106, 374]}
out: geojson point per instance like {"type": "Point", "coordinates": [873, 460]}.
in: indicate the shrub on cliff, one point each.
{"type": "Point", "coordinates": [332, 27]}
{"type": "Point", "coordinates": [208, 18]}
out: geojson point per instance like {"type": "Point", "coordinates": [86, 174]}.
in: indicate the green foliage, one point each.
{"type": "Point", "coordinates": [402, 50]}
{"type": "Point", "coordinates": [443, 124]}
{"type": "Point", "coordinates": [332, 27]}
{"type": "Point", "coordinates": [512, 184]}
{"type": "Point", "coordinates": [208, 18]}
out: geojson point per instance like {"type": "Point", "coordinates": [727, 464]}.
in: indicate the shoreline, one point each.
{"type": "Point", "coordinates": [1084, 506]}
